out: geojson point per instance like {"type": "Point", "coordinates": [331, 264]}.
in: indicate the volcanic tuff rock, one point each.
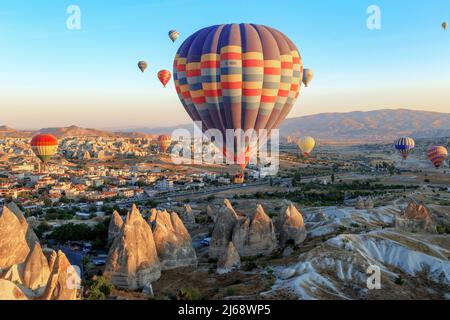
{"type": "Point", "coordinates": [9, 291]}
{"type": "Point", "coordinates": [290, 226]}
{"type": "Point", "coordinates": [188, 217]}
{"type": "Point", "coordinates": [64, 281]}
{"type": "Point", "coordinates": [14, 248]}
{"type": "Point", "coordinates": [415, 218]}
{"type": "Point", "coordinates": [133, 260]}
{"type": "Point", "coordinates": [211, 213]}
{"type": "Point", "coordinates": [360, 203]}
{"type": "Point", "coordinates": [29, 233]}
{"type": "Point", "coordinates": [173, 242]}
{"type": "Point", "coordinates": [35, 269]}
{"type": "Point", "coordinates": [255, 236]}
{"type": "Point", "coordinates": [229, 260]}
{"type": "Point", "coordinates": [114, 226]}
{"type": "Point", "coordinates": [223, 230]}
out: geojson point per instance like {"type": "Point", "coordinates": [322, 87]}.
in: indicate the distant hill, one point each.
{"type": "Point", "coordinates": [72, 131]}
{"type": "Point", "coordinates": [379, 125]}
{"type": "Point", "coordinates": [352, 127]}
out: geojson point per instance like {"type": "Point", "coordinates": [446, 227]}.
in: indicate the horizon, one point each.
{"type": "Point", "coordinates": [131, 129]}
{"type": "Point", "coordinates": [87, 81]}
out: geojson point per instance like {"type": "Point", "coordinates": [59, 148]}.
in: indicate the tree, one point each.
{"type": "Point", "coordinates": [98, 288]}
{"type": "Point", "coordinates": [333, 178]}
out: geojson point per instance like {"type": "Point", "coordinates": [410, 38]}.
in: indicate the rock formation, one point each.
{"type": "Point", "coordinates": [255, 236]}
{"type": "Point", "coordinates": [29, 233]}
{"type": "Point", "coordinates": [223, 230]}
{"type": "Point", "coordinates": [114, 226]}
{"type": "Point", "coordinates": [133, 260]}
{"type": "Point", "coordinates": [360, 203]}
{"type": "Point", "coordinates": [229, 260]}
{"type": "Point", "coordinates": [210, 212]}
{"type": "Point", "coordinates": [14, 248]}
{"type": "Point", "coordinates": [290, 226]}
{"type": "Point", "coordinates": [64, 281]}
{"type": "Point", "coordinates": [13, 274]}
{"type": "Point", "coordinates": [35, 272]}
{"type": "Point", "coordinates": [173, 242]}
{"type": "Point", "coordinates": [368, 203]}
{"type": "Point", "coordinates": [10, 291]}
{"type": "Point", "coordinates": [415, 218]}
{"type": "Point", "coordinates": [188, 217]}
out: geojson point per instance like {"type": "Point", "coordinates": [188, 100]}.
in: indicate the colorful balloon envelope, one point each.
{"type": "Point", "coordinates": [44, 146]}
{"type": "Point", "coordinates": [164, 142]}
{"type": "Point", "coordinates": [404, 146]}
{"type": "Point", "coordinates": [308, 75]}
{"type": "Point", "coordinates": [164, 76]}
{"type": "Point", "coordinates": [437, 155]}
{"type": "Point", "coordinates": [173, 35]}
{"type": "Point", "coordinates": [445, 25]}
{"type": "Point", "coordinates": [306, 145]}
{"type": "Point", "coordinates": [142, 65]}
{"type": "Point", "coordinates": [238, 76]}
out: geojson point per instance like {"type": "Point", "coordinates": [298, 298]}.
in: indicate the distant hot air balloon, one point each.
{"type": "Point", "coordinates": [173, 35]}
{"type": "Point", "coordinates": [44, 147]}
{"type": "Point", "coordinates": [142, 65]}
{"type": "Point", "coordinates": [445, 25]}
{"type": "Point", "coordinates": [404, 146]}
{"type": "Point", "coordinates": [306, 145]}
{"type": "Point", "coordinates": [164, 142]}
{"type": "Point", "coordinates": [437, 155]}
{"type": "Point", "coordinates": [164, 76]}
{"type": "Point", "coordinates": [308, 75]}
{"type": "Point", "coordinates": [238, 76]}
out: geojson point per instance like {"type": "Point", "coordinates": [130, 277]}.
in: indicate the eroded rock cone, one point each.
{"type": "Point", "coordinates": [10, 291]}
{"type": "Point", "coordinates": [415, 218]}
{"type": "Point", "coordinates": [30, 236]}
{"type": "Point", "coordinates": [223, 230]}
{"type": "Point", "coordinates": [173, 242]}
{"type": "Point", "coordinates": [64, 281]}
{"type": "Point", "coordinates": [188, 217]}
{"type": "Point", "coordinates": [290, 226]}
{"type": "Point", "coordinates": [114, 226]}
{"type": "Point", "coordinates": [133, 260]}
{"type": "Point", "coordinates": [360, 203]}
{"type": "Point", "coordinates": [35, 269]}
{"type": "Point", "coordinates": [229, 261]}
{"type": "Point", "coordinates": [14, 248]}
{"type": "Point", "coordinates": [369, 204]}
{"type": "Point", "coordinates": [210, 212]}
{"type": "Point", "coordinates": [255, 236]}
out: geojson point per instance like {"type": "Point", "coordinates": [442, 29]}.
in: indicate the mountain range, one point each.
{"type": "Point", "coordinates": [359, 127]}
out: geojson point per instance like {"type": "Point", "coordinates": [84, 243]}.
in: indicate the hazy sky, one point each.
{"type": "Point", "coordinates": [53, 76]}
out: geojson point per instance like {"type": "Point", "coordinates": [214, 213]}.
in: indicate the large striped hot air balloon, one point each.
{"type": "Point", "coordinates": [306, 145]}
{"type": "Point", "coordinates": [437, 155]}
{"type": "Point", "coordinates": [164, 76]}
{"type": "Point", "coordinates": [404, 146]}
{"type": "Point", "coordinates": [164, 142]}
{"type": "Point", "coordinates": [44, 147]}
{"type": "Point", "coordinates": [238, 76]}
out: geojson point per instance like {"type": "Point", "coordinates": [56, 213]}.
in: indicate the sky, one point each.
{"type": "Point", "coordinates": [53, 76]}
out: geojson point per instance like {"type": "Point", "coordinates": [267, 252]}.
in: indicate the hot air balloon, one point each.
{"type": "Point", "coordinates": [306, 145]}
{"type": "Point", "coordinates": [445, 25]}
{"type": "Point", "coordinates": [142, 65]}
{"type": "Point", "coordinates": [173, 35]}
{"type": "Point", "coordinates": [238, 76]}
{"type": "Point", "coordinates": [44, 147]}
{"type": "Point", "coordinates": [437, 155]}
{"type": "Point", "coordinates": [164, 76]}
{"type": "Point", "coordinates": [404, 146]}
{"type": "Point", "coordinates": [308, 75]}
{"type": "Point", "coordinates": [164, 142]}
